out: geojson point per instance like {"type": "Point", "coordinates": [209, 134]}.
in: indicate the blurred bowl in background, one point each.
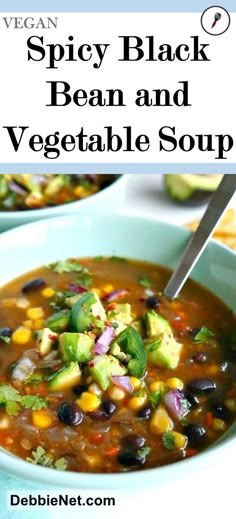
{"type": "Point", "coordinates": [108, 199]}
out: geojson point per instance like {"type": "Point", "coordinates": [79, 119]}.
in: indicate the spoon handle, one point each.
{"type": "Point", "coordinates": [200, 238]}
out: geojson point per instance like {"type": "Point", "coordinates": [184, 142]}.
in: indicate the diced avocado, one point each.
{"type": "Point", "coordinates": [54, 186]}
{"type": "Point", "coordinates": [184, 187]}
{"type": "Point", "coordinates": [59, 321]}
{"type": "Point", "coordinates": [67, 376]}
{"type": "Point", "coordinates": [97, 308]}
{"type": "Point", "coordinates": [76, 347]}
{"type": "Point", "coordinates": [71, 300]}
{"type": "Point", "coordinates": [103, 367]}
{"type": "Point", "coordinates": [81, 316]}
{"type": "Point", "coordinates": [165, 351]}
{"type": "Point", "coordinates": [122, 313]}
{"type": "Point", "coordinates": [3, 186]}
{"type": "Point", "coordinates": [138, 325]}
{"type": "Point", "coordinates": [45, 339]}
{"type": "Point", "coordinates": [116, 351]}
{"type": "Point", "coordinates": [155, 324]}
{"type": "Point", "coordinates": [118, 326]}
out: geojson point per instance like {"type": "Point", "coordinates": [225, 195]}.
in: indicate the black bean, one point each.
{"type": "Point", "coordinates": [79, 389]}
{"type": "Point", "coordinates": [153, 302]}
{"type": "Point", "coordinates": [193, 331]}
{"type": "Point", "coordinates": [195, 434]}
{"type": "Point", "coordinates": [130, 458]}
{"type": "Point", "coordinates": [70, 414]}
{"type": "Point", "coordinates": [5, 332]}
{"type": "Point", "coordinates": [108, 407]}
{"type": "Point", "coordinates": [145, 413]}
{"type": "Point", "coordinates": [201, 385]}
{"type": "Point", "coordinates": [200, 357]}
{"type": "Point", "coordinates": [133, 442]}
{"type": "Point", "coordinates": [219, 410]}
{"type": "Point", "coordinates": [99, 415]}
{"type": "Point", "coordinates": [33, 285]}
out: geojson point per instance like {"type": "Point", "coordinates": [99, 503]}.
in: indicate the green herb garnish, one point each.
{"type": "Point", "coordinates": [40, 457]}
{"type": "Point", "coordinates": [203, 335]}
{"type": "Point", "coordinates": [9, 398]}
{"type": "Point", "coordinates": [144, 451]}
{"type": "Point", "coordinates": [68, 265]}
{"type": "Point", "coordinates": [98, 258]}
{"type": "Point", "coordinates": [118, 259]}
{"type": "Point", "coordinates": [145, 281]}
{"type": "Point", "coordinates": [155, 398]}
{"type": "Point", "coordinates": [34, 402]}
{"type": "Point", "coordinates": [34, 379]}
{"type": "Point", "coordinates": [5, 338]}
{"type": "Point", "coordinates": [168, 440]}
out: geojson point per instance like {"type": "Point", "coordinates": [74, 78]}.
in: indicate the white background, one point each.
{"type": "Point", "coordinates": [24, 93]}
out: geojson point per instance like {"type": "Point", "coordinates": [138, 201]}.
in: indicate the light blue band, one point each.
{"type": "Point", "coordinates": [122, 168]}
{"type": "Point", "coordinates": [112, 5]}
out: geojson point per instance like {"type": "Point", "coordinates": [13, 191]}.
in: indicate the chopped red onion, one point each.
{"type": "Point", "coordinates": [176, 403]}
{"type": "Point", "coordinates": [16, 188]}
{"type": "Point", "coordinates": [76, 288]}
{"type": "Point", "coordinates": [103, 343]}
{"type": "Point", "coordinates": [115, 294]}
{"type": "Point", "coordinates": [122, 381]}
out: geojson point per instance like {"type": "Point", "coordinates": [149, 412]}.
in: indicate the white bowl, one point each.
{"type": "Point", "coordinates": [29, 246]}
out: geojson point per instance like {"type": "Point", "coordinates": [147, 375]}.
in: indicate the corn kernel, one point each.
{"type": "Point", "coordinates": [41, 419]}
{"type": "Point", "coordinates": [28, 324]}
{"type": "Point", "coordinates": [116, 393]}
{"type": "Point", "coordinates": [9, 441]}
{"type": "Point", "coordinates": [157, 385]}
{"type": "Point", "coordinates": [179, 439]}
{"type": "Point", "coordinates": [88, 402]}
{"type": "Point", "coordinates": [136, 402]}
{"type": "Point", "coordinates": [135, 383]}
{"type": "Point", "coordinates": [230, 404]}
{"type": "Point", "coordinates": [108, 288]}
{"type": "Point", "coordinates": [21, 335]}
{"type": "Point", "coordinates": [81, 192]}
{"type": "Point", "coordinates": [218, 424]}
{"type": "Point", "coordinates": [160, 421]}
{"type": "Point", "coordinates": [47, 292]}
{"type": "Point", "coordinates": [95, 389]}
{"type": "Point", "coordinates": [174, 383]}
{"type": "Point", "coordinates": [35, 313]}
{"type": "Point", "coordinates": [38, 324]}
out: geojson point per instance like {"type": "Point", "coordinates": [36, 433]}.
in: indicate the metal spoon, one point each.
{"type": "Point", "coordinates": [200, 238]}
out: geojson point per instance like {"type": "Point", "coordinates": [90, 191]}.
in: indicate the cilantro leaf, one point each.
{"type": "Point", "coordinates": [40, 457]}
{"type": "Point", "coordinates": [5, 338]}
{"type": "Point", "coordinates": [144, 451]}
{"type": "Point", "coordinates": [60, 464]}
{"type": "Point", "coordinates": [34, 379]}
{"type": "Point", "coordinates": [34, 402]}
{"type": "Point", "coordinates": [203, 335]}
{"type": "Point", "coordinates": [155, 398]}
{"type": "Point", "coordinates": [168, 440]}
{"type": "Point", "coordinates": [98, 258]}
{"type": "Point", "coordinates": [68, 265]}
{"type": "Point", "coordinates": [145, 281]}
{"type": "Point", "coordinates": [118, 259]}
{"type": "Point", "coordinates": [12, 408]}
{"type": "Point", "coordinates": [84, 278]}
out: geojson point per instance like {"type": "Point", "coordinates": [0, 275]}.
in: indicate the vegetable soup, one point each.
{"type": "Point", "coordinates": [99, 372]}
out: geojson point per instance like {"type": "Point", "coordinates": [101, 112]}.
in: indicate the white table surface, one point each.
{"type": "Point", "coordinates": [201, 495]}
